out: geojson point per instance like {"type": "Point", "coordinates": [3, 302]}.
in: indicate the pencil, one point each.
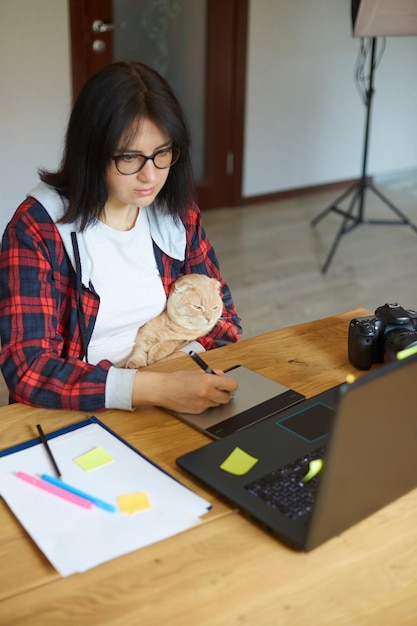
{"type": "Point", "coordinates": [48, 450]}
{"type": "Point", "coordinates": [201, 363]}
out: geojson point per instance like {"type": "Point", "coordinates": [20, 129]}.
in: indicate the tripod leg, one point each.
{"type": "Point", "coordinates": [343, 229]}
{"type": "Point", "coordinates": [404, 219]}
{"type": "Point", "coordinates": [333, 206]}
{"type": "Point", "coordinates": [333, 248]}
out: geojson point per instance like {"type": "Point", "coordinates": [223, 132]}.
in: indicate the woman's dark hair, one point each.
{"type": "Point", "coordinates": [108, 112]}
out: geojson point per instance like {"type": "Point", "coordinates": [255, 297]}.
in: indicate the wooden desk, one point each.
{"type": "Point", "coordinates": [226, 571]}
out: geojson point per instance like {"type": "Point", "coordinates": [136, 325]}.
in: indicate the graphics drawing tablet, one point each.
{"type": "Point", "coordinates": [257, 398]}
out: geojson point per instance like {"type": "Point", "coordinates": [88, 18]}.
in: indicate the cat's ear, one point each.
{"type": "Point", "coordinates": [181, 285]}
{"type": "Point", "coordinates": [216, 282]}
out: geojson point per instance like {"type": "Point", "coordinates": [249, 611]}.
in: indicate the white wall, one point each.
{"type": "Point", "coordinates": [304, 116]}
{"type": "Point", "coordinates": [35, 94]}
{"type": "Point", "coordinates": [305, 120]}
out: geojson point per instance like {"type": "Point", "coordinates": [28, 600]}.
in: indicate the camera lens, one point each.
{"type": "Point", "coordinates": [396, 341]}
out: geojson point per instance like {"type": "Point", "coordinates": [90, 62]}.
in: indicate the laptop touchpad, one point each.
{"type": "Point", "coordinates": [312, 423]}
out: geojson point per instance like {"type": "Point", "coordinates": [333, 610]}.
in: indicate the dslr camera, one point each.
{"type": "Point", "coordinates": [378, 338]}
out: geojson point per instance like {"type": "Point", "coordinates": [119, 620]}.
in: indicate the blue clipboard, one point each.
{"type": "Point", "coordinates": [74, 539]}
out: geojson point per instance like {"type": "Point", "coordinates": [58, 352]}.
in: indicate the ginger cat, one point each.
{"type": "Point", "coordinates": [194, 306]}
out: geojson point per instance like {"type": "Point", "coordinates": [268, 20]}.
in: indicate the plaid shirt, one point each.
{"type": "Point", "coordinates": [42, 346]}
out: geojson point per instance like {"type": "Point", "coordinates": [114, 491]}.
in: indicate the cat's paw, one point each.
{"type": "Point", "coordinates": [134, 364]}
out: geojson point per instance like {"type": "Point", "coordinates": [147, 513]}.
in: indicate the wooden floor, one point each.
{"type": "Point", "coordinates": [272, 257]}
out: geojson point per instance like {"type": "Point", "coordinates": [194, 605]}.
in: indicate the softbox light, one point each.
{"type": "Point", "coordinates": [384, 18]}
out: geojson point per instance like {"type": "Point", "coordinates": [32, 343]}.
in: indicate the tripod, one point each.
{"type": "Point", "coordinates": [357, 191]}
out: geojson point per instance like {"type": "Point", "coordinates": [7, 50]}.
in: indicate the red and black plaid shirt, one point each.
{"type": "Point", "coordinates": [42, 349]}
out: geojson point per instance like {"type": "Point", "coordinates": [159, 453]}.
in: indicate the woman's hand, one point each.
{"type": "Point", "coordinates": [183, 391]}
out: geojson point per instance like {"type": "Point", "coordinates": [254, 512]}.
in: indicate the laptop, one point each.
{"type": "Point", "coordinates": [257, 398]}
{"type": "Point", "coordinates": [346, 453]}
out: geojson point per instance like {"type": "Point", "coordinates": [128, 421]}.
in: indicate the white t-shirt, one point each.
{"type": "Point", "coordinates": [125, 275]}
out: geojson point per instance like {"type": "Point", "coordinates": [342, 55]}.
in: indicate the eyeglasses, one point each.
{"type": "Point", "coordinates": [132, 163]}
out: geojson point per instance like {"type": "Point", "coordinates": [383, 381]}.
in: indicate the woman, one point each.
{"type": "Point", "coordinates": [91, 253]}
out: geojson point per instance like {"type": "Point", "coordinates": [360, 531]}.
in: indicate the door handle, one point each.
{"type": "Point", "coordinates": [100, 27]}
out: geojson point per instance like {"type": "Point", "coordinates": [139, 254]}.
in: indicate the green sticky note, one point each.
{"type": "Point", "coordinates": [315, 467]}
{"type": "Point", "coordinates": [404, 354]}
{"type": "Point", "coordinates": [93, 459]}
{"type": "Point", "coordinates": [238, 462]}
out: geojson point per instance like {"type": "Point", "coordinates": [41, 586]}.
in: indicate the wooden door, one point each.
{"type": "Point", "coordinates": [100, 29]}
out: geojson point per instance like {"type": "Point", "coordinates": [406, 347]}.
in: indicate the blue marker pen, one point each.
{"type": "Point", "coordinates": [99, 503]}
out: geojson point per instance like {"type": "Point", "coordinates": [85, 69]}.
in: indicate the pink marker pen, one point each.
{"type": "Point", "coordinates": [56, 491]}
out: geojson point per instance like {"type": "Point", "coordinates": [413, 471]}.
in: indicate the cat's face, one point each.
{"type": "Point", "coordinates": [195, 302]}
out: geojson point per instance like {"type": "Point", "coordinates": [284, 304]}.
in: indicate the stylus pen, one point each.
{"type": "Point", "coordinates": [48, 450]}
{"type": "Point", "coordinates": [201, 363]}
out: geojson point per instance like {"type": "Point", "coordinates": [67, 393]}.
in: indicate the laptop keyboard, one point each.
{"type": "Point", "coordinates": [283, 489]}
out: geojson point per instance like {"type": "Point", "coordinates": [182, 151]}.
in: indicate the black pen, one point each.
{"type": "Point", "coordinates": [201, 363]}
{"type": "Point", "coordinates": [48, 450]}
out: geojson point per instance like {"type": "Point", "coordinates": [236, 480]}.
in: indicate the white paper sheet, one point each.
{"type": "Point", "coordinates": [75, 539]}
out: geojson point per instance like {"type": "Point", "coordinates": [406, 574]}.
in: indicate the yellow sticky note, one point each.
{"type": "Point", "coordinates": [93, 459]}
{"type": "Point", "coordinates": [131, 503]}
{"type": "Point", "coordinates": [238, 462]}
